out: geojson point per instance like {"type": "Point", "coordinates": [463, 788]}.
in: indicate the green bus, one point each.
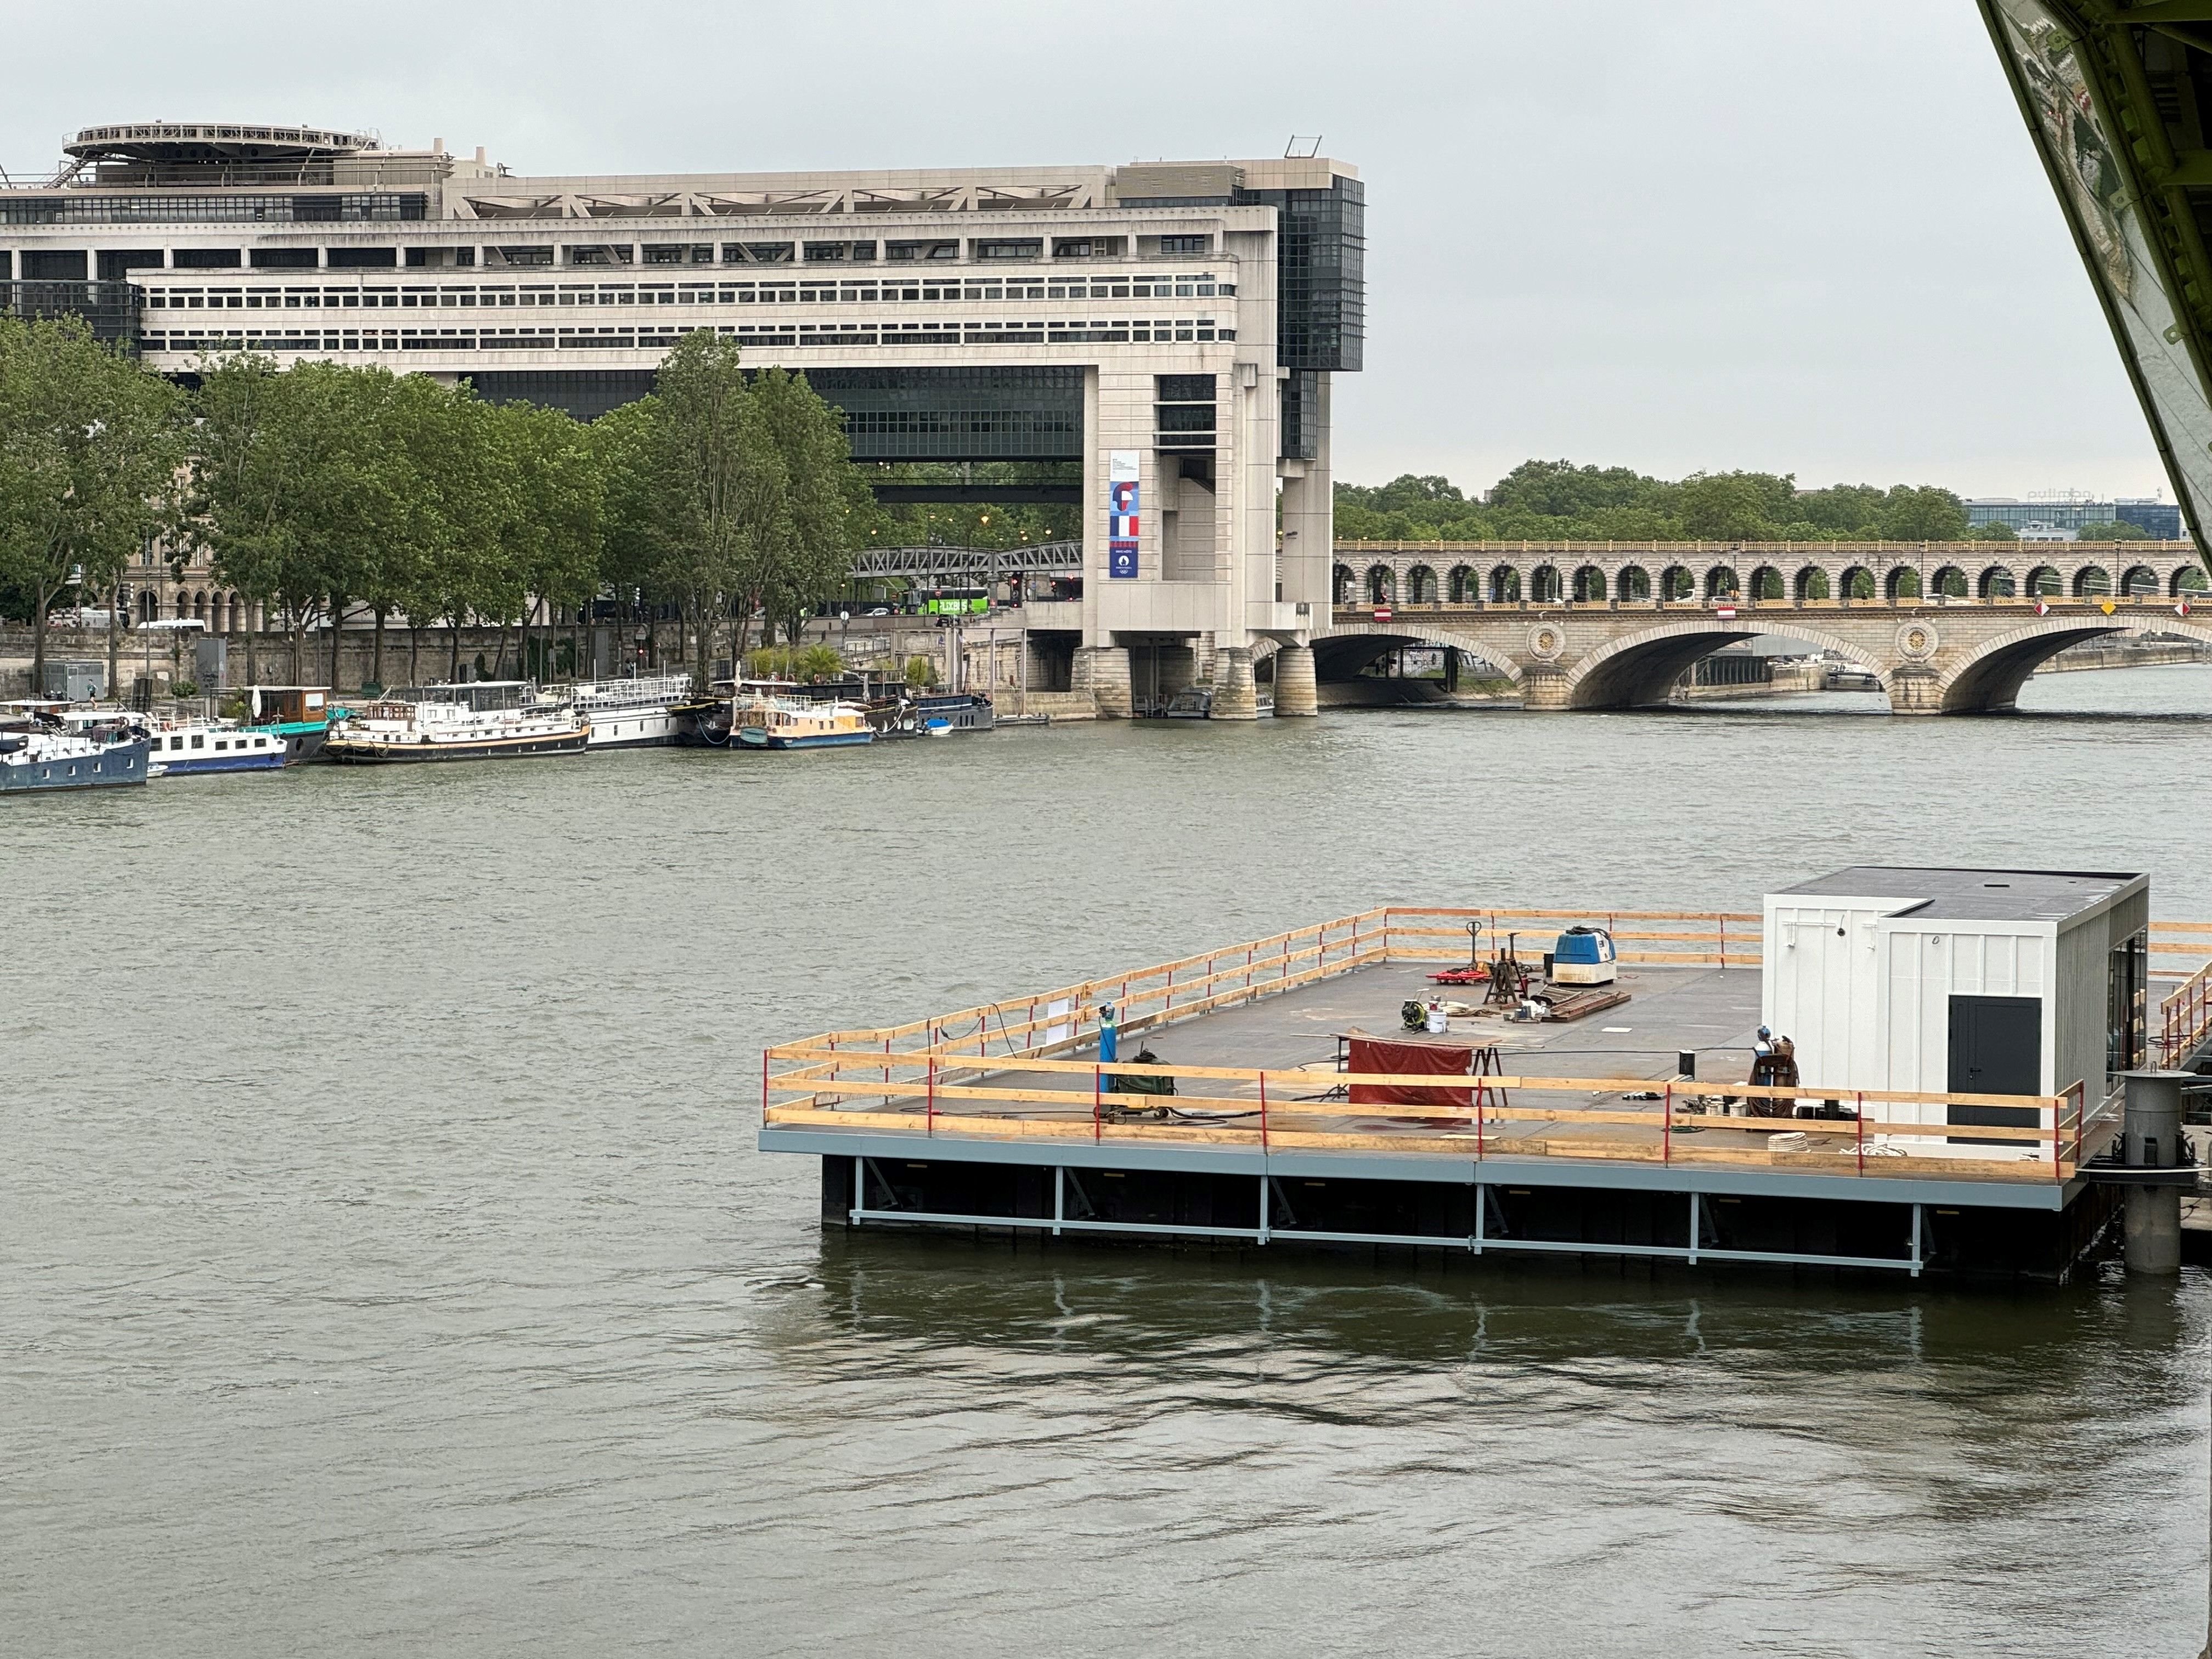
{"type": "Point", "coordinates": [955, 601]}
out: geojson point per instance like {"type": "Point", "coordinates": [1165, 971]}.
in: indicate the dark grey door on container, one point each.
{"type": "Point", "coordinates": [1996, 1049]}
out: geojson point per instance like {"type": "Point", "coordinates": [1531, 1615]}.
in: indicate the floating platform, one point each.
{"type": "Point", "coordinates": [1581, 1138]}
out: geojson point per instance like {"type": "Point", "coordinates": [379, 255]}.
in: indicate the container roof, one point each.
{"type": "Point", "coordinates": [1971, 895]}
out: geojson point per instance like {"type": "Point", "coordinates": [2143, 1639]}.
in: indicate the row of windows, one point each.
{"type": "Point", "coordinates": [367, 207]}
{"type": "Point", "coordinates": [450, 296]}
{"type": "Point", "coordinates": [844, 251]}
{"type": "Point", "coordinates": [1158, 331]}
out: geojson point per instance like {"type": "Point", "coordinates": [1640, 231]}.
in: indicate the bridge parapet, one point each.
{"type": "Point", "coordinates": [1506, 571]}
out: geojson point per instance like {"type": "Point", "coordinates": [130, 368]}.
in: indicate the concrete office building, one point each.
{"type": "Point", "coordinates": [1166, 331]}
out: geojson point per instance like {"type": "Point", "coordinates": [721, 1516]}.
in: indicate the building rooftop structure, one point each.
{"type": "Point", "coordinates": [1954, 894]}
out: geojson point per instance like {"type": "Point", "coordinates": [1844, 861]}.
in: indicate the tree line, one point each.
{"type": "Point", "coordinates": [1558, 501]}
{"type": "Point", "coordinates": [325, 493]}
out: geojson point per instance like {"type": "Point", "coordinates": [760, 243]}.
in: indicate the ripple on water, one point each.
{"type": "Point", "coordinates": [389, 1267]}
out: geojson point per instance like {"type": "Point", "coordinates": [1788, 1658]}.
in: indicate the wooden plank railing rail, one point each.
{"type": "Point", "coordinates": [949, 1059]}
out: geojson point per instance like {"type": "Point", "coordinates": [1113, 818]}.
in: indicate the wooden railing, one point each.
{"type": "Point", "coordinates": [931, 1076]}
{"type": "Point", "coordinates": [928, 1093]}
{"type": "Point", "coordinates": [2185, 1016]}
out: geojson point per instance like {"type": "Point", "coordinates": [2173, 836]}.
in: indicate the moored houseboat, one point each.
{"type": "Point", "coordinates": [491, 719]}
{"type": "Point", "coordinates": [630, 713]}
{"type": "Point", "coordinates": [788, 723]}
{"type": "Point", "coordinates": [39, 752]}
{"type": "Point", "coordinates": [185, 747]}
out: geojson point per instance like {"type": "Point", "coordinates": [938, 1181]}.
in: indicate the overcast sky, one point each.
{"type": "Point", "coordinates": [1807, 239]}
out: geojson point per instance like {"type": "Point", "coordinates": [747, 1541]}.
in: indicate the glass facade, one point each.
{"type": "Point", "coordinates": [586, 393]}
{"type": "Point", "coordinates": [180, 208]}
{"type": "Point", "coordinates": [1011, 414]}
{"type": "Point", "coordinates": [111, 309]}
{"type": "Point", "coordinates": [2158, 519]}
{"type": "Point", "coordinates": [1321, 275]}
{"type": "Point", "coordinates": [1183, 416]}
{"type": "Point", "coordinates": [1300, 439]}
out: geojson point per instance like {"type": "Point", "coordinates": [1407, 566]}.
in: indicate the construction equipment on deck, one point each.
{"type": "Point", "coordinates": [1508, 977]}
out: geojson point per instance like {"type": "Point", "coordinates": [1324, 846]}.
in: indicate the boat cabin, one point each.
{"type": "Point", "coordinates": [287, 704]}
{"type": "Point", "coordinates": [481, 695]}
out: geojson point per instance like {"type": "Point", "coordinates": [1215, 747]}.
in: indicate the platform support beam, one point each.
{"type": "Point", "coordinates": [1917, 1236]}
{"type": "Point", "coordinates": [1058, 1197]}
{"type": "Point", "coordinates": [1265, 1182]}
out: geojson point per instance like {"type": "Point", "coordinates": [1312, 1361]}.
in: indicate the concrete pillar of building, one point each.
{"type": "Point", "coordinates": [1235, 696]}
{"type": "Point", "coordinates": [1103, 671]}
{"type": "Point", "coordinates": [1296, 690]}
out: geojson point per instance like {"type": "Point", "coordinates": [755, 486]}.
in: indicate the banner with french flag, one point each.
{"type": "Point", "coordinates": [1122, 498]}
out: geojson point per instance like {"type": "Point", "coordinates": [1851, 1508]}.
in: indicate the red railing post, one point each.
{"type": "Point", "coordinates": [1098, 1101]}
{"type": "Point", "coordinates": [1263, 1111]}
{"type": "Point", "coordinates": [1858, 1113]}
{"type": "Point", "coordinates": [763, 1085]}
{"type": "Point", "coordinates": [1724, 922]}
{"type": "Point", "coordinates": [1667, 1126]}
{"type": "Point", "coordinates": [929, 1112]}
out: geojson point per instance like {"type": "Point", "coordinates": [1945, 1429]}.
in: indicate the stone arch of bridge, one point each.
{"type": "Point", "coordinates": [1988, 680]}
{"type": "Point", "coordinates": [1637, 670]}
{"type": "Point", "coordinates": [1342, 653]}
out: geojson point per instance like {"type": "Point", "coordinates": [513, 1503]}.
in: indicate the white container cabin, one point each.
{"type": "Point", "coordinates": [1962, 982]}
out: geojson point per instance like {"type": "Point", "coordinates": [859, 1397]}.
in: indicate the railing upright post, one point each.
{"type": "Point", "coordinates": [763, 1085]}
{"type": "Point", "coordinates": [1098, 1101]}
{"type": "Point", "coordinates": [929, 1112]}
{"type": "Point", "coordinates": [1724, 922]}
{"type": "Point", "coordinates": [1263, 1111]}
{"type": "Point", "coordinates": [1667, 1126]}
{"type": "Point", "coordinates": [1858, 1115]}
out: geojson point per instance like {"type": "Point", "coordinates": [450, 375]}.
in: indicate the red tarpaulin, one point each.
{"type": "Point", "coordinates": [1420, 1059]}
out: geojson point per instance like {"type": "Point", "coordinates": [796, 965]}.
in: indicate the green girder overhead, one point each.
{"type": "Point", "coordinates": [2118, 99]}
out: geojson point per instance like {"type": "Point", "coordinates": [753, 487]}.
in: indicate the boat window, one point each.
{"type": "Point", "coordinates": [176, 743]}
{"type": "Point", "coordinates": [221, 742]}
{"type": "Point", "coordinates": [199, 742]}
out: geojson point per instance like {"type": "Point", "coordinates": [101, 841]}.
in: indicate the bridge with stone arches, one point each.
{"type": "Point", "coordinates": [1636, 573]}
{"type": "Point", "coordinates": [1962, 636]}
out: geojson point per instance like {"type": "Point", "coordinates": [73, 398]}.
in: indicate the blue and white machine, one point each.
{"type": "Point", "coordinates": [1584, 955]}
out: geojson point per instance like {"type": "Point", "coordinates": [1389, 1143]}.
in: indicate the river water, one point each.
{"type": "Point", "coordinates": [385, 1268]}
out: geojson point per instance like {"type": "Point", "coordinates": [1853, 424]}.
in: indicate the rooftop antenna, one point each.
{"type": "Point", "coordinates": [1312, 147]}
